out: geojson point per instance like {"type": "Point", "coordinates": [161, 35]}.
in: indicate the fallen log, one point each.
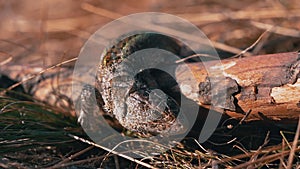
{"type": "Point", "coordinates": [268, 85]}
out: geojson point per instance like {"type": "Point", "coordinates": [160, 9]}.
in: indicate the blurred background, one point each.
{"type": "Point", "coordinates": [46, 32]}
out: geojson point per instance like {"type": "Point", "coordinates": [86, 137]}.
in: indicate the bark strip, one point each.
{"type": "Point", "coordinates": [268, 85]}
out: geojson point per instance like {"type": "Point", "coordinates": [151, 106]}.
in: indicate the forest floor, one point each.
{"type": "Point", "coordinates": [48, 32]}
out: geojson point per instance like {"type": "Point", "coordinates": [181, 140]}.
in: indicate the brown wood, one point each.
{"type": "Point", "coordinates": [268, 85]}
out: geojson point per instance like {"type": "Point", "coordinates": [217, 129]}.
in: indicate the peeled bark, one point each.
{"type": "Point", "coordinates": [268, 85]}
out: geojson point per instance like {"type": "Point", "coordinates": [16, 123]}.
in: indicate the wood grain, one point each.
{"type": "Point", "coordinates": [268, 85]}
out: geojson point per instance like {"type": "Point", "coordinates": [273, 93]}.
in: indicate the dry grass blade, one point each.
{"type": "Point", "coordinates": [147, 25]}
{"type": "Point", "coordinates": [71, 157]}
{"type": "Point", "coordinates": [112, 151]}
{"type": "Point", "coordinates": [196, 56]}
{"type": "Point", "coordinates": [6, 60]}
{"type": "Point", "coordinates": [282, 163]}
{"type": "Point", "coordinates": [250, 154]}
{"type": "Point", "coordinates": [266, 159]}
{"type": "Point", "coordinates": [258, 151]}
{"type": "Point", "coordinates": [101, 11]}
{"type": "Point", "coordinates": [294, 147]}
{"type": "Point", "coordinates": [32, 127]}
{"type": "Point", "coordinates": [277, 29]}
{"type": "Point", "coordinates": [117, 162]}
{"type": "Point", "coordinates": [253, 45]}
{"type": "Point", "coordinates": [35, 75]}
{"type": "Point", "coordinates": [239, 15]}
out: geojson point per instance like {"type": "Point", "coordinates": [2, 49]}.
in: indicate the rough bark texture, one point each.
{"type": "Point", "coordinates": [268, 85]}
